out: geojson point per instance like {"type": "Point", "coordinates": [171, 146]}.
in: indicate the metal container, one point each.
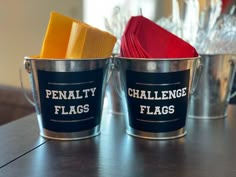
{"type": "Point", "coordinates": [211, 98]}
{"type": "Point", "coordinates": [115, 94]}
{"type": "Point", "coordinates": [157, 93]}
{"type": "Point", "coordinates": [68, 96]}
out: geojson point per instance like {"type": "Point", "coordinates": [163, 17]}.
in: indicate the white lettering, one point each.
{"type": "Point", "coordinates": [80, 109]}
{"type": "Point", "coordinates": [184, 91]}
{"type": "Point", "coordinates": [71, 110]}
{"type": "Point", "coordinates": [164, 95]}
{"type": "Point", "coordinates": [54, 95]}
{"type": "Point", "coordinates": [142, 107]}
{"type": "Point", "coordinates": [130, 92]}
{"type": "Point", "coordinates": [143, 95]}
{"type": "Point", "coordinates": [157, 95]}
{"type": "Point", "coordinates": [86, 108]}
{"type": "Point", "coordinates": [135, 93]}
{"type": "Point", "coordinates": [171, 109]}
{"type": "Point", "coordinates": [70, 94]}
{"type": "Point", "coordinates": [86, 92]}
{"type": "Point", "coordinates": [56, 108]}
{"type": "Point", "coordinates": [48, 93]}
{"type": "Point", "coordinates": [78, 96]}
{"type": "Point", "coordinates": [93, 91]}
{"type": "Point", "coordinates": [62, 95]}
{"type": "Point", "coordinates": [149, 95]}
{"type": "Point", "coordinates": [157, 110]}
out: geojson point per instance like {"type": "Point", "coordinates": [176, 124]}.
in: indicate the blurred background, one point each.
{"type": "Point", "coordinates": [23, 25]}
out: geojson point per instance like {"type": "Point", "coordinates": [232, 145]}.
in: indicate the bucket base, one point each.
{"type": "Point", "coordinates": [157, 136]}
{"type": "Point", "coordinates": [207, 117]}
{"type": "Point", "coordinates": [71, 135]}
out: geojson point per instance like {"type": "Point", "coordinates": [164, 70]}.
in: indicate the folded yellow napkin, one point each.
{"type": "Point", "coordinates": [70, 38]}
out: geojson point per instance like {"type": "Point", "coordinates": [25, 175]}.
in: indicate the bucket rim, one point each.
{"type": "Point", "coordinates": [157, 59]}
{"type": "Point", "coordinates": [217, 54]}
{"type": "Point", "coordinates": [37, 58]}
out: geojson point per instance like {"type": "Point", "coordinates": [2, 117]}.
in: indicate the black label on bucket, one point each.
{"type": "Point", "coordinates": [157, 102]}
{"type": "Point", "coordinates": [70, 101]}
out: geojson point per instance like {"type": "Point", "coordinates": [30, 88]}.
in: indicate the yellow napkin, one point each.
{"type": "Point", "coordinates": [69, 38]}
{"type": "Point", "coordinates": [89, 42]}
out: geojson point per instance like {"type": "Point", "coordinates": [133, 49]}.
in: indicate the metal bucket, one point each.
{"type": "Point", "coordinates": [114, 92]}
{"type": "Point", "coordinates": [157, 93]}
{"type": "Point", "coordinates": [211, 98]}
{"type": "Point", "coordinates": [68, 96]}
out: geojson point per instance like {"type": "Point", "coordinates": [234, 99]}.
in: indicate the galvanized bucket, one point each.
{"type": "Point", "coordinates": [211, 98]}
{"type": "Point", "coordinates": [157, 93]}
{"type": "Point", "coordinates": [68, 96]}
{"type": "Point", "coordinates": [115, 94]}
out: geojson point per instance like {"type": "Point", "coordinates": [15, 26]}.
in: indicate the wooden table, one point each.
{"type": "Point", "coordinates": [208, 150]}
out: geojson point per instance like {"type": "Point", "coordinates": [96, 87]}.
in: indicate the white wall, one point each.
{"type": "Point", "coordinates": [22, 28]}
{"type": "Point", "coordinates": [23, 24]}
{"type": "Point", "coordinates": [95, 11]}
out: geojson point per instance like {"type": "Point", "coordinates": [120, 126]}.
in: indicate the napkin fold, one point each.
{"type": "Point", "coordinates": [56, 38]}
{"type": "Point", "coordinates": [72, 39]}
{"type": "Point", "coordinates": [143, 38]}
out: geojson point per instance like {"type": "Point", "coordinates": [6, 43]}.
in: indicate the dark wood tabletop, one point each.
{"type": "Point", "coordinates": [208, 150]}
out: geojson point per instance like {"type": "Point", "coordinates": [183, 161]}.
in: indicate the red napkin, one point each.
{"type": "Point", "coordinates": [143, 38]}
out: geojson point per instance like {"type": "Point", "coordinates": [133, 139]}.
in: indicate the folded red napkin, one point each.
{"type": "Point", "coordinates": [143, 38]}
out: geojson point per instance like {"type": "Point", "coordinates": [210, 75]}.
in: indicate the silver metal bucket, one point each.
{"type": "Point", "coordinates": [157, 93]}
{"type": "Point", "coordinates": [114, 92]}
{"type": "Point", "coordinates": [68, 96]}
{"type": "Point", "coordinates": [211, 98]}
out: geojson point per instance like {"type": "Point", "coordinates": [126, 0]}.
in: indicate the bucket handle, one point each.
{"type": "Point", "coordinates": [232, 62]}
{"type": "Point", "coordinates": [233, 95]}
{"type": "Point", "coordinates": [196, 76]}
{"type": "Point", "coordinates": [27, 67]}
{"type": "Point", "coordinates": [110, 71]}
{"type": "Point", "coordinates": [116, 67]}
